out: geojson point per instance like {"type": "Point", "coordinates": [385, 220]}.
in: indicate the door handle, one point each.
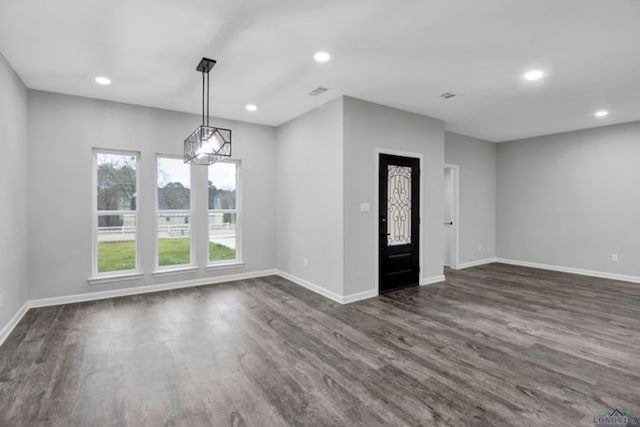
{"type": "Point", "coordinates": [448, 223]}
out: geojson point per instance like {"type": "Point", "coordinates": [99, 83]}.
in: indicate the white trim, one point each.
{"type": "Point", "coordinates": [359, 296]}
{"type": "Point", "coordinates": [191, 212]}
{"type": "Point", "coordinates": [229, 211]}
{"type": "Point", "coordinates": [224, 265]}
{"type": "Point", "coordinates": [96, 213]}
{"type": "Point", "coordinates": [237, 211]}
{"type": "Point", "coordinates": [172, 271]}
{"type": "Point", "coordinates": [93, 296]}
{"type": "Point", "coordinates": [347, 299]}
{"type": "Point", "coordinates": [432, 280]}
{"type": "Point", "coordinates": [456, 212]}
{"type": "Point", "coordinates": [311, 286]}
{"type": "Point", "coordinates": [13, 322]}
{"type": "Point", "coordinates": [571, 270]}
{"type": "Point", "coordinates": [476, 263]}
{"type": "Point", "coordinates": [376, 203]}
{"type": "Point", "coordinates": [115, 278]}
{"type": "Point", "coordinates": [139, 290]}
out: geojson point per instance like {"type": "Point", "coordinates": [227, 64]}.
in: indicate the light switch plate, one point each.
{"type": "Point", "coordinates": [365, 207]}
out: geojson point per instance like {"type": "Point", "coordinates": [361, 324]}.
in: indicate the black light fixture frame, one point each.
{"type": "Point", "coordinates": [198, 148]}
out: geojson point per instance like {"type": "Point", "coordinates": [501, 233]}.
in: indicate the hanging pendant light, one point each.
{"type": "Point", "coordinates": [207, 144]}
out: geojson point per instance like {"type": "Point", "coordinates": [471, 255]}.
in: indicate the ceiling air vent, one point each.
{"type": "Point", "coordinates": [318, 91]}
{"type": "Point", "coordinates": [447, 95]}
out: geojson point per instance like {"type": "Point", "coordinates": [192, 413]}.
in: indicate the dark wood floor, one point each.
{"type": "Point", "coordinates": [496, 345]}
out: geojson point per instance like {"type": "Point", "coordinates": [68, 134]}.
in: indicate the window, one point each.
{"type": "Point", "coordinates": [173, 213]}
{"type": "Point", "coordinates": [115, 212]}
{"type": "Point", "coordinates": [224, 215]}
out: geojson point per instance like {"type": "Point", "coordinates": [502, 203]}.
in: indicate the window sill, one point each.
{"type": "Point", "coordinates": [114, 278]}
{"type": "Point", "coordinates": [172, 271]}
{"type": "Point", "coordinates": [225, 265]}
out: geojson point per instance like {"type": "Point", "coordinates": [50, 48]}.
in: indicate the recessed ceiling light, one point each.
{"type": "Point", "coordinates": [104, 81]}
{"type": "Point", "coordinates": [601, 113]}
{"type": "Point", "coordinates": [533, 75]}
{"type": "Point", "coordinates": [322, 57]}
{"type": "Point", "coordinates": [251, 107]}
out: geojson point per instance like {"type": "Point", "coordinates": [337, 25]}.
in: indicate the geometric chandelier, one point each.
{"type": "Point", "coordinates": [207, 144]}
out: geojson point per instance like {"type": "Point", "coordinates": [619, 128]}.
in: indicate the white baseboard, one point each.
{"type": "Point", "coordinates": [6, 330]}
{"type": "Point", "coordinates": [433, 279]}
{"type": "Point", "coordinates": [475, 263]}
{"type": "Point", "coordinates": [94, 296]}
{"type": "Point", "coordinates": [342, 299]}
{"type": "Point", "coordinates": [311, 286]}
{"type": "Point", "coordinates": [580, 271]}
{"type": "Point", "coordinates": [348, 299]}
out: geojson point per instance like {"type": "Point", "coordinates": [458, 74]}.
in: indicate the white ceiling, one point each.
{"type": "Point", "coordinates": [400, 53]}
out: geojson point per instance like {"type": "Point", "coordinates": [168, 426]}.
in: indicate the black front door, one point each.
{"type": "Point", "coordinates": [399, 222]}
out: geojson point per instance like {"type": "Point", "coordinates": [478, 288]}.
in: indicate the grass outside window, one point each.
{"type": "Point", "coordinates": [121, 255]}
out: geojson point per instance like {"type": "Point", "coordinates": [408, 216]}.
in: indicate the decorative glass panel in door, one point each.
{"type": "Point", "coordinates": [399, 205]}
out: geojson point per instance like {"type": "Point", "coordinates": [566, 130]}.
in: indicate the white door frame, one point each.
{"type": "Point", "coordinates": [455, 174]}
{"type": "Point", "coordinates": [376, 204]}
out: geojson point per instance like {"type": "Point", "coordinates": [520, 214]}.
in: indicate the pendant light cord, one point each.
{"type": "Point", "coordinates": [205, 113]}
{"type": "Point", "coordinates": [203, 98]}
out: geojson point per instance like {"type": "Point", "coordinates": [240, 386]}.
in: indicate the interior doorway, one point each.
{"type": "Point", "coordinates": [450, 230]}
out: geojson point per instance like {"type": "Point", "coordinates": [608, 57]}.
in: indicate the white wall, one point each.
{"type": "Point", "coordinates": [62, 132]}
{"type": "Point", "coordinates": [368, 127]}
{"type": "Point", "coordinates": [309, 181]}
{"type": "Point", "coordinates": [477, 222]}
{"type": "Point", "coordinates": [568, 199]}
{"type": "Point", "coordinates": [572, 199]}
{"type": "Point", "coordinates": [13, 186]}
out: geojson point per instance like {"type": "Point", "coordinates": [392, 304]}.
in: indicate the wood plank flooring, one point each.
{"type": "Point", "coordinates": [495, 345]}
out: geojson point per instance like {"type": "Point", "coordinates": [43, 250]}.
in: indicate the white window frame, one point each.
{"type": "Point", "coordinates": [237, 211]}
{"type": "Point", "coordinates": [190, 211]}
{"type": "Point", "coordinates": [97, 213]}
